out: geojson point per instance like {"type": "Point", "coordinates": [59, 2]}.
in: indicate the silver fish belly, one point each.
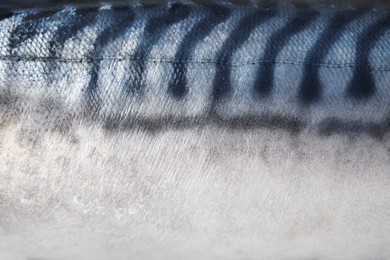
{"type": "Point", "coordinates": [184, 129]}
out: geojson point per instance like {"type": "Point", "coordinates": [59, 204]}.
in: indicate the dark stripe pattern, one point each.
{"type": "Point", "coordinates": [311, 89]}
{"type": "Point", "coordinates": [362, 85]}
{"type": "Point", "coordinates": [154, 30]}
{"type": "Point", "coordinates": [124, 19]}
{"type": "Point", "coordinates": [28, 28]}
{"type": "Point", "coordinates": [178, 84]}
{"type": "Point", "coordinates": [161, 19]}
{"type": "Point", "coordinates": [82, 18]}
{"type": "Point", "coordinates": [113, 24]}
{"type": "Point", "coordinates": [222, 85]}
{"type": "Point", "coordinates": [265, 76]}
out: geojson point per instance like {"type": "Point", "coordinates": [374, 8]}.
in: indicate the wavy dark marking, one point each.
{"type": "Point", "coordinates": [241, 33]}
{"type": "Point", "coordinates": [265, 76]}
{"type": "Point", "coordinates": [153, 32]}
{"type": "Point", "coordinates": [240, 123]}
{"type": "Point", "coordinates": [178, 84]}
{"type": "Point", "coordinates": [333, 126]}
{"type": "Point", "coordinates": [362, 85]}
{"type": "Point", "coordinates": [28, 28]}
{"type": "Point", "coordinates": [311, 90]}
{"type": "Point", "coordinates": [124, 19]}
{"type": "Point", "coordinates": [82, 18]}
{"type": "Point", "coordinates": [293, 125]}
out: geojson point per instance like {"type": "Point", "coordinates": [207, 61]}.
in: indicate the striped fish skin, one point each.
{"type": "Point", "coordinates": [195, 131]}
{"type": "Point", "coordinates": [292, 67]}
{"type": "Point", "coordinates": [25, 4]}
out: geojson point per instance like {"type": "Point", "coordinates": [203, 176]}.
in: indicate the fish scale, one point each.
{"type": "Point", "coordinates": [204, 87]}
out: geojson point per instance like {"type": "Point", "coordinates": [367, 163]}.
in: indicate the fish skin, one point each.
{"type": "Point", "coordinates": [27, 4]}
{"type": "Point", "coordinates": [105, 72]}
{"type": "Point", "coordinates": [102, 159]}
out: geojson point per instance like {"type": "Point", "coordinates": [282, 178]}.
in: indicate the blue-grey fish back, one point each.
{"type": "Point", "coordinates": [187, 65]}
